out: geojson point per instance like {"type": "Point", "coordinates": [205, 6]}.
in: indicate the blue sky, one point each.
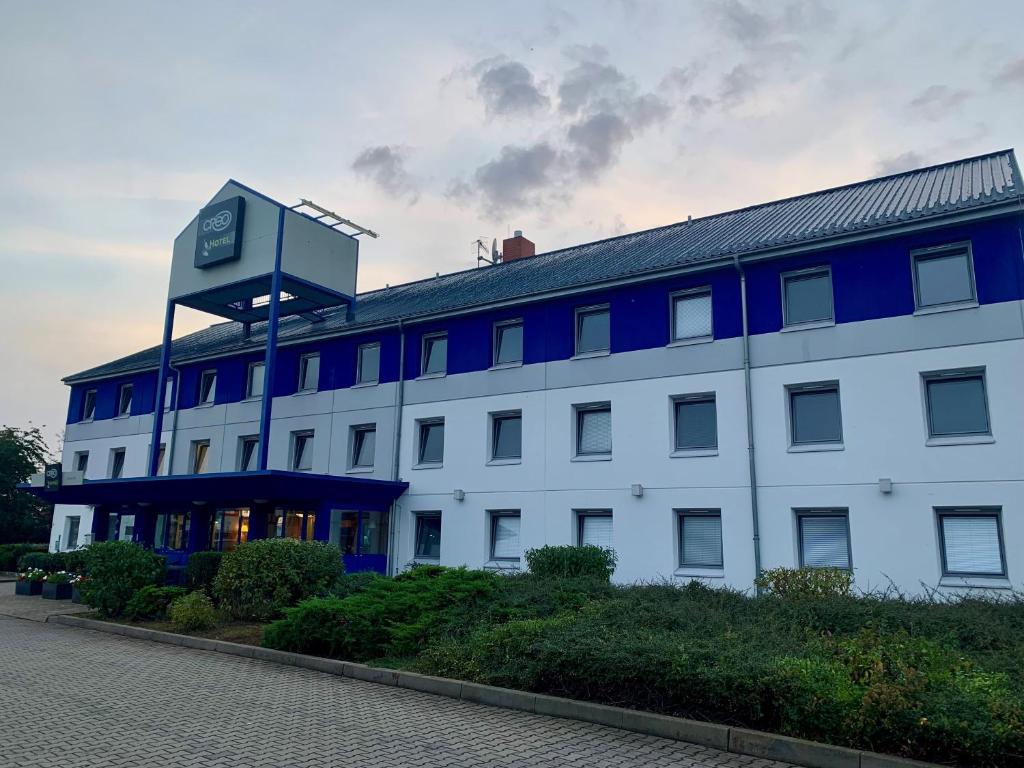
{"type": "Point", "coordinates": [435, 124]}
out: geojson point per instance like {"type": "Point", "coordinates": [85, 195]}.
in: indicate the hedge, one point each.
{"type": "Point", "coordinates": [202, 569]}
{"type": "Point", "coordinates": [11, 553]}
{"type": "Point", "coordinates": [117, 570]}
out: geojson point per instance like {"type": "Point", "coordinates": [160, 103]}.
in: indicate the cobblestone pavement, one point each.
{"type": "Point", "coordinates": [71, 697]}
{"type": "Point", "coordinates": [33, 608]}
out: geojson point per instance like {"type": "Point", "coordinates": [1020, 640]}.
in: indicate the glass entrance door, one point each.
{"type": "Point", "coordinates": [362, 536]}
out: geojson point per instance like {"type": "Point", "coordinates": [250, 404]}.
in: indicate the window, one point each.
{"type": "Point", "coordinates": [171, 531]}
{"type": "Point", "coordinates": [116, 463]}
{"type": "Point", "coordinates": [507, 436]}
{"type": "Point", "coordinates": [302, 451]}
{"type": "Point", "coordinates": [364, 446]}
{"type": "Point", "coordinates": [254, 381]}
{"type": "Point", "coordinates": [124, 400]}
{"type": "Point", "coordinates": [161, 451]}
{"type": "Point", "coordinates": [696, 422]}
{"type": "Point", "coordinates": [89, 405]}
{"type": "Point", "coordinates": [431, 435]}
{"type": "Point", "coordinates": [594, 528]}
{"type": "Point", "coordinates": [207, 387]}
{"type": "Point", "coordinates": [435, 354]}
{"type": "Point", "coordinates": [309, 372]}
{"type": "Point", "coordinates": [956, 403]}
{"type": "Point", "coordinates": [824, 539]}
{"type": "Point", "coordinates": [229, 528]}
{"type": "Point", "coordinates": [81, 461]}
{"type": "Point", "coordinates": [169, 393]}
{"type": "Point", "coordinates": [593, 330]}
{"type": "Point", "coordinates": [807, 296]}
{"type": "Point", "coordinates": [368, 364]}
{"type": "Point", "coordinates": [972, 542]}
{"type": "Point", "coordinates": [291, 524]}
{"type": "Point", "coordinates": [943, 276]}
{"type": "Point", "coordinates": [594, 429]}
{"type": "Point", "coordinates": [72, 525]}
{"type": "Point", "coordinates": [200, 454]}
{"type": "Point", "coordinates": [814, 414]}
{"type": "Point", "coordinates": [700, 538]}
{"type": "Point", "coordinates": [428, 536]}
{"type": "Point", "coordinates": [505, 535]}
{"type": "Point", "coordinates": [691, 315]}
{"type": "Point", "coordinates": [508, 342]}
{"type": "Point", "coordinates": [357, 532]}
{"type": "Point", "coordinates": [248, 453]}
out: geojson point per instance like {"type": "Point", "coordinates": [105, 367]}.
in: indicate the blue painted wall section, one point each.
{"type": "Point", "coordinates": [870, 281]}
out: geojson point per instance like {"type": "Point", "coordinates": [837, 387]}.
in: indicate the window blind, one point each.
{"type": "Point", "coordinates": [596, 530]}
{"type": "Point", "coordinates": [505, 545]}
{"type": "Point", "coordinates": [972, 544]}
{"type": "Point", "coordinates": [824, 541]}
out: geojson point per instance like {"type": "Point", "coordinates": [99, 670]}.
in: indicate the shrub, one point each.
{"type": "Point", "coordinates": [202, 569]}
{"type": "Point", "coordinates": [10, 554]}
{"type": "Point", "coordinates": [74, 560]}
{"type": "Point", "coordinates": [192, 612]}
{"type": "Point", "coordinates": [151, 603]}
{"type": "Point", "coordinates": [572, 562]}
{"type": "Point", "coordinates": [46, 561]}
{"type": "Point", "coordinates": [261, 578]}
{"type": "Point", "coordinates": [32, 575]}
{"type": "Point", "coordinates": [117, 570]}
{"type": "Point", "coordinates": [59, 577]}
{"type": "Point", "coordinates": [806, 582]}
{"type": "Point", "coordinates": [354, 583]}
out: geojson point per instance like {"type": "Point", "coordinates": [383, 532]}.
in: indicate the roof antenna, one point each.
{"type": "Point", "coordinates": [481, 249]}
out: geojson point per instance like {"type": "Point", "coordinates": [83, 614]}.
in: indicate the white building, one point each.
{"type": "Point", "coordinates": [596, 394]}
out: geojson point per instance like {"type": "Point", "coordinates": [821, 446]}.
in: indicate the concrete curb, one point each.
{"type": "Point", "coordinates": [739, 741]}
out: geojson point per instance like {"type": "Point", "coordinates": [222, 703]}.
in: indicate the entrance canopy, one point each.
{"type": "Point", "coordinates": [227, 487]}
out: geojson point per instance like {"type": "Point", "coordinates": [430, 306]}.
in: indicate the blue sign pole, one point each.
{"type": "Point", "coordinates": [161, 387]}
{"type": "Point", "coordinates": [273, 320]}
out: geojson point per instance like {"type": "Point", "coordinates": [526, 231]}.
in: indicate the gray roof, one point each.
{"type": "Point", "coordinates": [962, 186]}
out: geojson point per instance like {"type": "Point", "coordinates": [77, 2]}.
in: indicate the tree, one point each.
{"type": "Point", "coordinates": [23, 517]}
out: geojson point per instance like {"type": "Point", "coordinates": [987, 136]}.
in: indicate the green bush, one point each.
{"type": "Point", "coordinates": [806, 582]}
{"type": "Point", "coordinates": [261, 578]}
{"type": "Point", "coordinates": [11, 553]}
{"type": "Point", "coordinates": [572, 562]}
{"type": "Point", "coordinates": [45, 561]}
{"type": "Point", "coordinates": [354, 583]}
{"type": "Point", "coordinates": [192, 612]}
{"type": "Point", "coordinates": [150, 603]}
{"type": "Point", "coordinates": [75, 559]}
{"type": "Point", "coordinates": [202, 570]}
{"type": "Point", "coordinates": [117, 570]}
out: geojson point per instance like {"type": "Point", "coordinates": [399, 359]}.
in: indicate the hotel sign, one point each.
{"type": "Point", "coordinates": [52, 477]}
{"type": "Point", "coordinates": [219, 233]}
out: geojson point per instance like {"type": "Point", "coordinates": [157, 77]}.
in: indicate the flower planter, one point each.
{"type": "Point", "coordinates": [56, 591]}
{"type": "Point", "coordinates": [28, 588]}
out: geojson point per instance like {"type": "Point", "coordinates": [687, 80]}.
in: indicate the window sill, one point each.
{"type": "Point", "coordinates": [359, 470]}
{"type": "Point", "coordinates": [502, 565]}
{"type": "Point", "coordinates": [692, 572]}
{"type": "Point", "coordinates": [426, 561]}
{"type": "Point", "coordinates": [302, 469]}
{"type": "Point", "coordinates": [122, 416]}
{"type": "Point", "coordinates": [687, 453]}
{"type": "Point", "coordinates": [589, 355]}
{"type": "Point", "coordinates": [432, 465]}
{"type": "Point", "coordinates": [505, 366]}
{"type": "Point", "coordinates": [87, 421]}
{"type": "Point", "coordinates": [976, 582]}
{"type": "Point", "coordinates": [304, 392]}
{"type": "Point", "coordinates": [808, 326]}
{"type": "Point", "coordinates": [424, 376]}
{"type": "Point", "coordinates": [253, 399]}
{"type": "Point", "coordinates": [815, 448]}
{"type": "Point", "coordinates": [960, 440]}
{"type": "Point", "coordinates": [364, 384]}
{"type": "Point", "coordinates": [205, 405]}
{"type": "Point", "coordinates": [504, 462]}
{"type": "Point", "coordinates": [946, 308]}
{"type": "Point", "coordinates": [690, 342]}
{"type": "Point", "coordinates": [593, 457]}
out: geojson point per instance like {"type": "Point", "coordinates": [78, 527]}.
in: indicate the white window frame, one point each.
{"type": "Point", "coordinates": [360, 380]}
{"type": "Point", "coordinates": [244, 440]}
{"type": "Point", "coordinates": [304, 370]}
{"type": "Point", "coordinates": [582, 514]}
{"type": "Point", "coordinates": [193, 457]}
{"type": "Point", "coordinates": [578, 410]}
{"type": "Point", "coordinates": [353, 447]}
{"type": "Point", "coordinates": [79, 455]}
{"type": "Point", "coordinates": [689, 293]}
{"type": "Point", "coordinates": [88, 415]}
{"type": "Point", "coordinates": [680, 515]}
{"type": "Point", "coordinates": [493, 515]}
{"type": "Point", "coordinates": [496, 330]}
{"type": "Point", "coordinates": [421, 424]}
{"type": "Point", "coordinates": [161, 457]}
{"type": "Point", "coordinates": [578, 314]}
{"type": "Point", "coordinates": [251, 378]}
{"type": "Point", "coordinates": [169, 394]}
{"type": "Point", "coordinates": [294, 456]}
{"type": "Point", "coordinates": [695, 397]}
{"type": "Point", "coordinates": [203, 376]}
{"type": "Point", "coordinates": [938, 251]}
{"type": "Point", "coordinates": [993, 512]}
{"type": "Point", "coordinates": [418, 517]}
{"type": "Point", "coordinates": [803, 513]}
{"type": "Point", "coordinates": [123, 412]}
{"type": "Point", "coordinates": [426, 340]}
{"type": "Point", "coordinates": [963, 438]}
{"type": "Point", "coordinates": [492, 437]}
{"type": "Point", "coordinates": [809, 446]}
{"type": "Point", "coordinates": [112, 462]}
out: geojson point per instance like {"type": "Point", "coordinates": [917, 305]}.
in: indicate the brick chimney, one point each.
{"type": "Point", "coordinates": [517, 247]}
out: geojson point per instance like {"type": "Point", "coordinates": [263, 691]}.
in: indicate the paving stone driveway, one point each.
{"type": "Point", "coordinates": [71, 697]}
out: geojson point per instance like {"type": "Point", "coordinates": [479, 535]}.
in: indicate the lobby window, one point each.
{"type": "Point", "coordinates": [116, 463]}
{"type": "Point", "coordinates": [696, 422]}
{"type": "Point", "coordinates": [824, 537]}
{"type": "Point", "coordinates": [309, 372]}
{"type": "Point", "coordinates": [593, 430]}
{"type": "Point", "coordinates": [434, 354]}
{"type": "Point", "coordinates": [72, 527]}
{"type": "Point", "coordinates": [431, 442]}
{"type": "Point", "coordinates": [207, 387]}
{"type": "Point", "coordinates": [368, 364]}
{"type": "Point", "coordinates": [89, 405]}
{"type": "Point", "coordinates": [302, 451]}
{"type": "Point", "coordinates": [428, 536]}
{"type": "Point", "coordinates": [229, 528]}
{"type": "Point", "coordinates": [972, 542]}
{"type": "Point", "coordinates": [171, 531]}
{"type": "Point", "coordinates": [593, 330]}
{"type": "Point", "coordinates": [292, 524]}
{"type": "Point", "coordinates": [364, 446]}
{"type": "Point", "coordinates": [956, 403]}
{"type": "Point", "coordinates": [815, 417]}
{"type": "Point", "coordinates": [254, 381]}
{"type": "Point", "coordinates": [594, 528]}
{"type": "Point", "coordinates": [700, 538]}
{"type": "Point", "coordinates": [505, 535]}
{"type": "Point", "coordinates": [200, 456]}
{"type": "Point", "coordinates": [506, 436]}
{"type": "Point", "coordinates": [248, 453]}
{"type": "Point", "coordinates": [81, 461]}
{"type": "Point", "coordinates": [943, 276]}
{"type": "Point", "coordinates": [691, 315]}
{"type": "Point", "coordinates": [807, 296]}
{"type": "Point", "coordinates": [169, 393]}
{"type": "Point", "coordinates": [124, 400]}
{"type": "Point", "coordinates": [508, 342]}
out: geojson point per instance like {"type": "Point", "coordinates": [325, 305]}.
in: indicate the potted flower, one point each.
{"type": "Point", "coordinates": [30, 582]}
{"type": "Point", "coordinates": [76, 588]}
{"type": "Point", "coordinates": [57, 586]}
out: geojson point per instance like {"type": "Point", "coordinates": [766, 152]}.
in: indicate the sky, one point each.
{"type": "Point", "coordinates": [435, 124]}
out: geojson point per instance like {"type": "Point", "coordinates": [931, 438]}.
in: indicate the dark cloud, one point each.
{"type": "Point", "coordinates": [1011, 74]}
{"type": "Point", "coordinates": [937, 101]}
{"type": "Point", "coordinates": [740, 22]}
{"type": "Point", "coordinates": [520, 177]}
{"type": "Point", "coordinates": [900, 163]}
{"type": "Point", "coordinates": [595, 142]}
{"type": "Point", "coordinates": [770, 25]}
{"type": "Point", "coordinates": [385, 166]}
{"type": "Point", "coordinates": [698, 104]}
{"type": "Point", "coordinates": [679, 80]}
{"type": "Point", "coordinates": [508, 88]}
{"type": "Point", "coordinates": [588, 82]}
{"type": "Point", "coordinates": [737, 84]}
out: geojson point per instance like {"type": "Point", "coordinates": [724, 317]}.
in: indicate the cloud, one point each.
{"type": "Point", "coordinates": [385, 166]}
{"type": "Point", "coordinates": [1012, 73]}
{"type": "Point", "coordinates": [508, 88]}
{"type": "Point", "coordinates": [736, 85]}
{"type": "Point", "coordinates": [937, 101]}
{"type": "Point", "coordinates": [595, 142]}
{"type": "Point", "coordinates": [588, 82]}
{"type": "Point", "coordinates": [766, 28]}
{"type": "Point", "coordinates": [906, 161]}
{"type": "Point", "coordinates": [520, 177]}
{"type": "Point", "coordinates": [679, 80]}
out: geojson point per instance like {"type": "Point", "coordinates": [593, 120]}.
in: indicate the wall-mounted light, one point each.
{"type": "Point", "coordinates": [459, 494]}
{"type": "Point", "coordinates": [637, 490]}
{"type": "Point", "coordinates": [885, 484]}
